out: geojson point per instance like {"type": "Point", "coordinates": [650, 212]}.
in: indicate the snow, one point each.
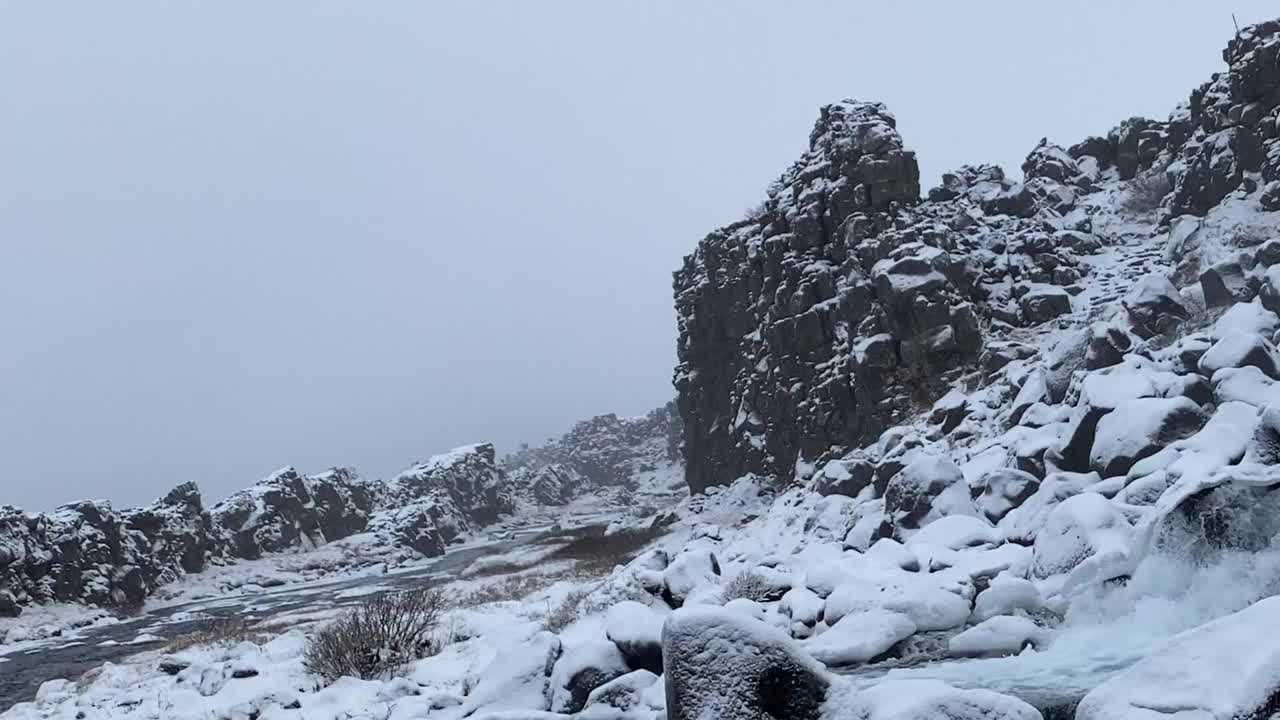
{"type": "Point", "coordinates": [1081, 527]}
{"type": "Point", "coordinates": [924, 700]}
{"type": "Point", "coordinates": [859, 637]}
{"type": "Point", "coordinates": [1227, 668]}
{"type": "Point", "coordinates": [956, 532]}
{"type": "Point", "coordinates": [1005, 595]}
{"type": "Point", "coordinates": [1000, 635]}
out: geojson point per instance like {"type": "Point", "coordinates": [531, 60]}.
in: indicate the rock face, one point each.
{"type": "Point", "coordinates": [288, 510]}
{"type": "Point", "coordinates": [844, 302]}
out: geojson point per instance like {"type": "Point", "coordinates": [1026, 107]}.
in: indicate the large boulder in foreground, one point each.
{"type": "Point", "coordinates": [727, 665]}
{"type": "Point", "coordinates": [1228, 668]}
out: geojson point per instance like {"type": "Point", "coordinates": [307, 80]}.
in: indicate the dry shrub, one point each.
{"type": "Point", "coordinates": [377, 637]}
{"type": "Point", "coordinates": [564, 613]}
{"type": "Point", "coordinates": [223, 631]}
{"type": "Point", "coordinates": [747, 584]}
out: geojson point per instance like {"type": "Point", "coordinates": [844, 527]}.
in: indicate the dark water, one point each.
{"type": "Point", "coordinates": [24, 671]}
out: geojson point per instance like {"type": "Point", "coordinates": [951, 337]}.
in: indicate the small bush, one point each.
{"type": "Point", "coordinates": [378, 637]}
{"type": "Point", "coordinates": [747, 584]}
{"type": "Point", "coordinates": [564, 613]}
{"type": "Point", "coordinates": [1147, 191]}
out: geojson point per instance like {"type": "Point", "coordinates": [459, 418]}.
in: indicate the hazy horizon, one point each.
{"type": "Point", "coordinates": [318, 234]}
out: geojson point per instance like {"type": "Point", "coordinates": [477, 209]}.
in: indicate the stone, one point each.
{"type": "Point", "coordinates": [997, 492]}
{"type": "Point", "coordinates": [1108, 344]}
{"type": "Point", "coordinates": [1043, 303]}
{"type": "Point", "coordinates": [724, 664]}
{"type": "Point", "coordinates": [1155, 307]}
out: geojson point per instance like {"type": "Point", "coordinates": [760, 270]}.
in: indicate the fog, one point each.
{"type": "Point", "coordinates": [235, 236]}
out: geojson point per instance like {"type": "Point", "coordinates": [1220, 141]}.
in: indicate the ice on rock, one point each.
{"type": "Point", "coordinates": [924, 700]}
{"type": "Point", "coordinates": [859, 637]}
{"type": "Point", "coordinates": [1227, 668]}
{"type": "Point", "coordinates": [996, 637]}
{"type": "Point", "coordinates": [956, 532]}
{"type": "Point", "coordinates": [1006, 595]}
{"type": "Point", "coordinates": [1080, 527]}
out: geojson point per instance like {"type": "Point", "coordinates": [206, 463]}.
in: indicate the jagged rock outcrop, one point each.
{"type": "Point", "coordinates": [845, 304]}
{"type": "Point", "coordinates": [88, 552]}
{"type": "Point", "coordinates": [604, 451]}
{"type": "Point", "coordinates": [287, 510]}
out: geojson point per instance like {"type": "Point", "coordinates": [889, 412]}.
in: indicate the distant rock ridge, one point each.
{"type": "Point", "coordinates": [845, 303]}
{"type": "Point", "coordinates": [89, 552]}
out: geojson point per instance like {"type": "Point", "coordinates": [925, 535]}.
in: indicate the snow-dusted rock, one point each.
{"type": "Point", "coordinates": [1006, 595]}
{"type": "Point", "coordinates": [912, 493]}
{"type": "Point", "coordinates": [1241, 348]}
{"type": "Point", "coordinates": [1154, 306]}
{"type": "Point", "coordinates": [803, 608]}
{"type": "Point", "coordinates": [637, 631]}
{"type": "Point", "coordinates": [623, 692]}
{"type": "Point", "coordinates": [1227, 668]}
{"type": "Point", "coordinates": [1042, 303]}
{"type": "Point", "coordinates": [997, 636]}
{"type": "Point", "coordinates": [859, 637]}
{"type": "Point", "coordinates": [956, 532]}
{"type": "Point", "coordinates": [694, 568]}
{"type": "Point", "coordinates": [722, 664]}
{"type": "Point", "coordinates": [1079, 527]}
{"type": "Point", "coordinates": [580, 670]}
{"type": "Point", "coordinates": [1141, 427]}
{"type": "Point", "coordinates": [1247, 317]}
{"type": "Point", "coordinates": [998, 491]}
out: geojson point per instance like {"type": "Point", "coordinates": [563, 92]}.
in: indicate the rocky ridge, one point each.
{"type": "Point", "coordinates": [88, 552]}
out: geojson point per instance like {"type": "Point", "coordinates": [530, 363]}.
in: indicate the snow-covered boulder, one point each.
{"type": "Point", "coordinates": [860, 637]}
{"type": "Point", "coordinates": [1141, 427]}
{"type": "Point", "coordinates": [723, 664]}
{"type": "Point", "coordinates": [803, 608]}
{"type": "Point", "coordinates": [998, 491]}
{"type": "Point", "coordinates": [1024, 523]}
{"type": "Point", "coordinates": [1042, 303]}
{"type": "Point", "coordinates": [1005, 596]}
{"type": "Point", "coordinates": [694, 568]}
{"type": "Point", "coordinates": [1249, 318]}
{"type": "Point", "coordinates": [1228, 668]}
{"type": "Point", "coordinates": [1241, 348]}
{"type": "Point", "coordinates": [637, 631]}
{"type": "Point", "coordinates": [624, 692]}
{"type": "Point", "coordinates": [1079, 527]}
{"type": "Point", "coordinates": [580, 670]}
{"type": "Point", "coordinates": [997, 636]}
{"type": "Point", "coordinates": [956, 532]}
{"type": "Point", "coordinates": [914, 494]}
{"type": "Point", "coordinates": [919, 597]}
{"type": "Point", "coordinates": [923, 700]}
{"type": "Point", "coordinates": [519, 678]}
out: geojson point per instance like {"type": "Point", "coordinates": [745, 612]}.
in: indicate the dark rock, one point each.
{"type": "Point", "coordinates": [722, 664]}
{"type": "Point", "coordinates": [1043, 303]}
{"type": "Point", "coordinates": [847, 476]}
{"type": "Point", "coordinates": [170, 665]}
{"type": "Point", "coordinates": [1154, 306]}
{"type": "Point", "coordinates": [9, 607]}
{"type": "Point", "coordinates": [1108, 344]}
{"type": "Point", "coordinates": [1224, 283]}
{"type": "Point", "coordinates": [1140, 428]}
{"type": "Point", "coordinates": [909, 497]}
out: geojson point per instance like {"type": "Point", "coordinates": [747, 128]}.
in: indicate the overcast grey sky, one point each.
{"type": "Point", "coordinates": [235, 236]}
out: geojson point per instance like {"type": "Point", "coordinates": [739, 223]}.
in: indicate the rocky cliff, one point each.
{"type": "Point", "coordinates": [847, 303]}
